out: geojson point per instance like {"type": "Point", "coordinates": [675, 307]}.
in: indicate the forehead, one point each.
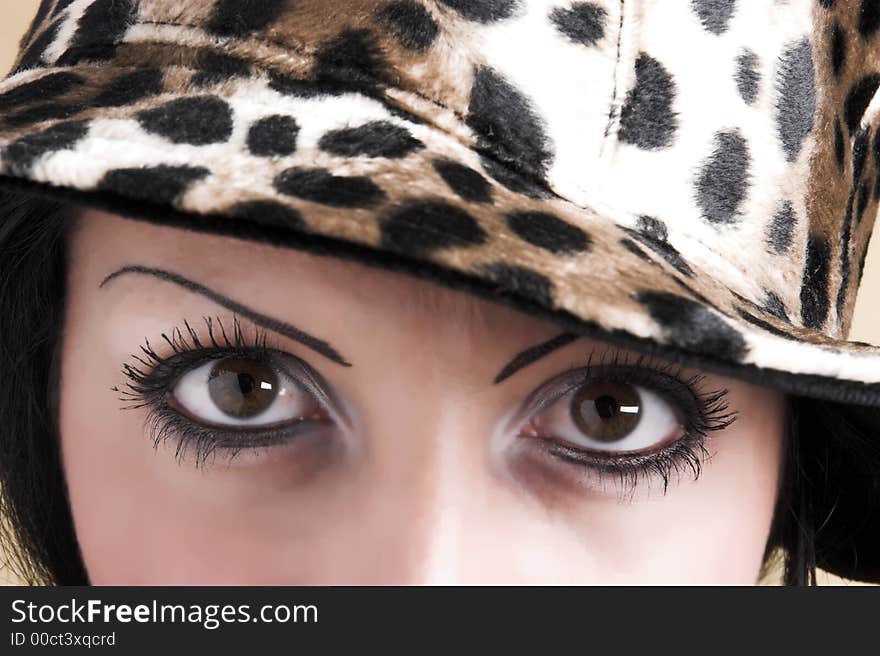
{"type": "Point", "coordinates": [280, 277]}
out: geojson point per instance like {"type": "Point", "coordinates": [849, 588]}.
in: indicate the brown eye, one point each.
{"type": "Point", "coordinates": [247, 392]}
{"type": "Point", "coordinates": [242, 387]}
{"type": "Point", "coordinates": [606, 411]}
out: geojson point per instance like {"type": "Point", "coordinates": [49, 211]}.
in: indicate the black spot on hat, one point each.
{"type": "Point", "coordinates": [796, 106]}
{"type": "Point", "coordinates": [506, 124]}
{"type": "Point", "coordinates": [653, 233]}
{"type": "Point", "coordinates": [268, 213]}
{"type": "Point", "coordinates": [839, 145]}
{"type": "Point", "coordinates": [747, 76]}
{"type": "Point", "coordinates": [215, 67]}
{"type": "Point", "coordinates": [483, 11]}
{"type": "Point", "coordinates": [722, 183]}
{"type": "Point", "coordinates": [411, 23]}
{"type": "Point", "coordinates": [464, 181]}
{"type": "Point", "coordinates": [861, 267]}
{"type": "Point", "coordinates": [521, 282]}
{"type": "Point", "coordinates": [419, 227]}
{"type": "Point", "coordinates": [845, 247]}
{"type": "Point", "coordinates": [691, 326]}
{"type": "Point", "coordinates": [869, 17]}
{"type": "Point", "coordinates": [814, 283]}
{"type": "Point", "coordinates": [374, 139]}
{"type": "Point", "coordinates": [827, 4]}
{"type": "Point", "coordinates": [156, 184]}
{"type": "Point", "coordinates": [21, 154]}
{"type": "Point", "coordinates": [198, 121]}
{"type": "Point", "coordinates": [860, 152]}
{"type": "Point", "coordinates": [273, 136]}
{"type": "Point", "coordinates": [647, 119]}
{"type": "Point", "coordinates": [857, 100]}
{"type": "Point", "coordinates": [45, 88]}
{"type": "Point", "coordinates": [864, 199]}
{"type": "Point", "coordinates": [32, 57]}
{"type": "Point", "coordinates": [321, 186]}
{"type": "Point", "coordinates": [583, 22]}
{"type": "Point", "coordinates": [352, 58]}
{"type": "Point", "coordinates": [838, 48]}
{"type": "Point", "coordinates": [242, 17]}
{"type": "Point", "coordinates": [549, 232]}
{"type": "Point", "coordinates": [773, 305]}
{"type": "Point", "coordinates": [781, 227]}
{"type": "Point", "coordinates": [44, 112]}
{"type": "Point", "coordinates": [99, 31]}
{"type": "Point", "coordinates": [714, 14]}
{"type": "Point", "coordinates": [129, 88]}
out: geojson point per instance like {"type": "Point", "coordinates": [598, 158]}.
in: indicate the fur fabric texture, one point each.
{"type": "Point", "coordinates": [699, 175]}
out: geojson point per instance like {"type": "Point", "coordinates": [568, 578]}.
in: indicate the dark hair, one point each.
{"type": "Point", "coordinates": [824, 441]}
{"type": "Point", "coordinates": [36, 526]}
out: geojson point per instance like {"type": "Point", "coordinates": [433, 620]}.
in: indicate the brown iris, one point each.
{"type": "Point", "coordinates": [606, 411]}
{"type": "Point", "coordinates": [242, 387]}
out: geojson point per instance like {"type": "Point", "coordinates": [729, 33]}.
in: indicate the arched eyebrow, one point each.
{"type": "Point", "coordinates": [530, 355]}
{"type": "Point", "coordinates": [265, 321]}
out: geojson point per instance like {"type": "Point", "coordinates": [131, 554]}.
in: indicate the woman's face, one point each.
{"type": "Point", "coordinates": [314, 421]}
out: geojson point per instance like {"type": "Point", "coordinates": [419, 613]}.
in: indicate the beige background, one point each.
{"type": "Point", "coordinates": [15, 16]}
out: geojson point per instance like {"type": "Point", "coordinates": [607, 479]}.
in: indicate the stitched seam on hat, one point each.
{"type": "Point", "coordinates": [298, 49]}
{"type": "Point", "coordinates": [611, 109]}
{"type": "Point", "coordinates": [101, 65]}
{"type": "Point", "coordinates": [528, 174]}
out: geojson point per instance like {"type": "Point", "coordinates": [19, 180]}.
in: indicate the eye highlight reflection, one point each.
{"type": "Point", "coordinates": [629, 419]}
{"type": "Point", "coordinates": [245, 391]}
{"type": "Point", "coordinates": [229, 394]}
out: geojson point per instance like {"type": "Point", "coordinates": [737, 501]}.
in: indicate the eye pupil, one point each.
{"type": "Point", "coordinates": [606, 406]}
{"type": "Point", "coordinates": [246, 383]}
{"type": "Point", "coordinates": [242, 387]}
{"type": "Point", "coordinates": [605, 410]}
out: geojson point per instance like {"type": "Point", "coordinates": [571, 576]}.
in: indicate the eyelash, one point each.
{"type": "Point", "coordinates": [149, 387]}
{"type": "Point", "coordinates": [704, 412]}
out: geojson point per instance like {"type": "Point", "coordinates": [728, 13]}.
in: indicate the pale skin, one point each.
{"type": "Point", "coordinates": [422, 478]}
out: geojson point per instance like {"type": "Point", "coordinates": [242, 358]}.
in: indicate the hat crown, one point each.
{"type": "Point", "coordinates": [739, 133]}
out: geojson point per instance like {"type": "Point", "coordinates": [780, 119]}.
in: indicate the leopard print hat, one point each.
{"type": "Point", "coordinates": [697, 179]}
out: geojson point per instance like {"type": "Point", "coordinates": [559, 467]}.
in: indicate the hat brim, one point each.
{"type": "Point", "coordinates": [420, 196]}
{"type": "Point", "coordinates": [254, 160]}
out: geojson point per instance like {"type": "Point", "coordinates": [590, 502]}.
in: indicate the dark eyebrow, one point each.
{"type": "Point", "coordinates": [530, 355]}
{"type": "Point", "coordinates": [258, 318]}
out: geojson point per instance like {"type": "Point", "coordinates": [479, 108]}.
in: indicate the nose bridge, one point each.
{"type": "Point", "coordinates": [434, 494]}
